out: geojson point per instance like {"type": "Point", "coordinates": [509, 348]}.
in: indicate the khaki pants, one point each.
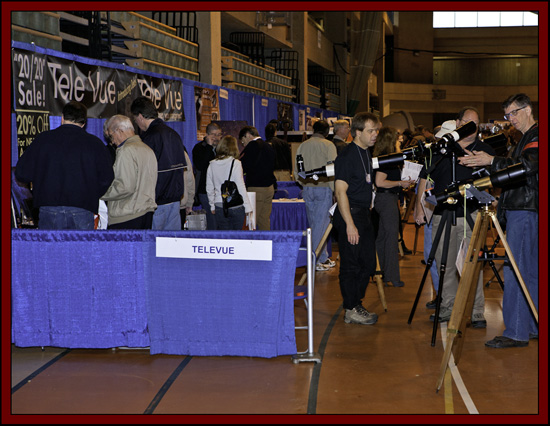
{"type": "Point", "coordinates": [264, 199]}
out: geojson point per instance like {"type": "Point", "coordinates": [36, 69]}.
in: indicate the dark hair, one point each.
{"type": "Point", "coordinates": [521, 99]}
{"type": "Point", "coordinates": [145, 107]}
{"type": "Point", "coordinates": [248, 129]}
{"type": "Point", "coordinates": [385, 141]}
{"type": "Point", "coordinates": [270, 130]}
{"type": "Point", "coordinates": [212, 127]}
{"type": "Point", "coordinates": [321, 127]}
{"type": "Point", "coordinates": [359, 121]}
{"type": "Point", "coordinates": [75, 112]}
{"type": "Point", "coordinates": [467, 108]}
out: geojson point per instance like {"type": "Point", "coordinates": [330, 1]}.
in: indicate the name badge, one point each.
{"type": "Point", "coordinates": [199, 248]}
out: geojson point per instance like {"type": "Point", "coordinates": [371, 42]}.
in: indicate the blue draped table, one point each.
{"type": "Point", "coordinates": [292, 187]}
{"type": "Point", "coordinates": [102, 289]}
{"type": "Point", "coordinates": [288, 215]}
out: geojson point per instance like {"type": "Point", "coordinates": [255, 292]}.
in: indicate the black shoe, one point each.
{"type": "Point", "coordinates": [479, 321]}
{"type": "Point", "coordinates": [533, 336]}
{"type": "Point", "coordinates": [441, 318]}
{"type": "Point", "coordinates": [406, 250]}
{"type": "Point", "coordinates": [506, 342]}
{"type": "Point", "coordinates": [432, 304]}
{"type": "Point", "coordinates": [423, 262]}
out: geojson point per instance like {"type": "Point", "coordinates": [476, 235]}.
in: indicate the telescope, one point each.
{"type": "Point", "coordinates": [514, 174]}
{"type": "Point", "coordinates": [414, 153]}
{"type": "Point", "coordinates": [315, 174]}
{"type": "Point", "coordinates": [448, 142]}
{"type": "Point", "coordinates": [498, 142]}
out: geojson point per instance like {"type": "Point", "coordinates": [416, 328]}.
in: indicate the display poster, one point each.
{"type": "Point", "coordinates": [207, 108]}
{"type": "Point", "coordinates": [43, 84]}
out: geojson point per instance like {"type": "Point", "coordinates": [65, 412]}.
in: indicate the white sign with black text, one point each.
{"type": "Point", "coordinates": [200, 248]}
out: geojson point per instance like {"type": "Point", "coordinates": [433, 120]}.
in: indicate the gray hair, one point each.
{"type": "Point", "coordinates": [120, 122]}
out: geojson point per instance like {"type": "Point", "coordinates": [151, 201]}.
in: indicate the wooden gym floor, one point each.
{"type": "Point", "coordinates": [389, 369]}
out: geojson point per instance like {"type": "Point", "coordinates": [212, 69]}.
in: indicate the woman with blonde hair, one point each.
{"type": "Point", "coordinates": [227, 166]}
{"type": "Point", "coordinates": [386, 203]}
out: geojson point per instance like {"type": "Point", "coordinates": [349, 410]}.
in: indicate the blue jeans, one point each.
{"type": "Point", "coordinates": [234, 220]}
{"type": "Point", "coordinates": [427, 248]}
{"type": "Point", "coordinates": [167, 217]}
{"type": "Point", "coordinates": [211, 224]}
{"type": "Point", "coordinates": [318, 202]}
{"type": "Point", "coordinates": [522, 229]}
{"type": "Point", "coordinates": [65, 217]}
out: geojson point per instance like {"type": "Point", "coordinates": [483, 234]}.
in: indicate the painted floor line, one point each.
{"type": "Point", "coordinates": [457, 378]}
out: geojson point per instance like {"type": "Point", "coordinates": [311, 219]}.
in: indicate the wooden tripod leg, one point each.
{"type": "Point", "coordinates": [380, 284]}
{"type": "Point", "coordinates": [466, 286]}
{"type": "Point", "coordinates": [318, 249]}
{"type": "Point", "coordinates": [515, 266]}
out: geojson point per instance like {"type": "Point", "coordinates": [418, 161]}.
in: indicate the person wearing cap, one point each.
{"type": "Point", "coordinates": [517, 210]}
{"type": "Point", "coordinates": [440, 172]}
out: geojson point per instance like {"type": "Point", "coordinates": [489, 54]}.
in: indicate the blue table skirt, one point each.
{"type": "Point", "coordinates": [101, 289]}
{"type": "Point", "coordinates": [292, 187]}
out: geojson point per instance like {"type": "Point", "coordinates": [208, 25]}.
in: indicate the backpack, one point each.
{"type": "Point", "coordinates": [230, 194]}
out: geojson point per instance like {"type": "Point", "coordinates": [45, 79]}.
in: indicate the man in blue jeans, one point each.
{"type": "Point", "coordinates": [70, 170]}
{"type": "Point", "coordinates": [317, 151]}
{"type": "Point", "coordinates": [518, 210]}
{"type": "Point", "coordinates": [170, 152]}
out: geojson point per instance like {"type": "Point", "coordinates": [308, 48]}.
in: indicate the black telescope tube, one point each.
{"type": "Point", "coordinates": [463, 131]}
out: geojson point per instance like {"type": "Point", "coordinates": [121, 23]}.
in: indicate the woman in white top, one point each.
{"type": "Point", "coordinates": [227, 153]}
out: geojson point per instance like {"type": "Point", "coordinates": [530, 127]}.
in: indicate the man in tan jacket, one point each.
{"type": "Point", "coordinates": [131, 197]}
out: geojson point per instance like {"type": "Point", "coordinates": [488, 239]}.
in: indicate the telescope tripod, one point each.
{"type": "Point", "coordinates": [466, 288]}
{"type": "Point", "coordinates": [446, 224]}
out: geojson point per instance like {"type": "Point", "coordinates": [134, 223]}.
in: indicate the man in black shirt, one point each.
{"type": "Point", "coordinates": [203, 153]}
{"type": "Point", "coordinates": [258, 160]}
{"type": "Point", "coordinates": [353, 174]}
{"type": "Point", "coordinates": [442, 177]}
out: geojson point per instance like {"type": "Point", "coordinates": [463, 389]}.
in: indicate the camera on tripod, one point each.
{"type": "Point", "coordinates": [512, 175]}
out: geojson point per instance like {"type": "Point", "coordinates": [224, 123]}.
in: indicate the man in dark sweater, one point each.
{"type": "Point", "coordinates": [258, 160]}
{"type": "Point", "coordinates": [70, 170]}
{"type": "Point", "coordinates": [204, 152]}
{"type": "Point", "coordinates": [170, 153]}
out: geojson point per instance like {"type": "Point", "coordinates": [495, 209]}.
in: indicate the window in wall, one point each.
{"type": "Point", "coordinates": [484, 19]}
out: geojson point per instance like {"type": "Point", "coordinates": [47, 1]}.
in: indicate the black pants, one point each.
{"type": "Point", "coordinates": [141, 222]}
{"type": "Point", "coordinates": [358, 261]}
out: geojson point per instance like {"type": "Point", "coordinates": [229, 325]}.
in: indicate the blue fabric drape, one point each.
{"type": "Point", "coordinates": [101, 289]}
{"type": "Point", "coordinates": [224, 307]}
{"type": "Point", "coordinates": [78, 289]}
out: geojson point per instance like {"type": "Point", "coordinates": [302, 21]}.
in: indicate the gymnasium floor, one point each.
{"type": "Point", "coordinates": [390, 370]}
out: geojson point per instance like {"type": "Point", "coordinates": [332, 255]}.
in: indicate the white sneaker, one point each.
{"type": "Point", "coordinates": [321, 267]}
{"type": "Point", "coordinates": [329, 263]}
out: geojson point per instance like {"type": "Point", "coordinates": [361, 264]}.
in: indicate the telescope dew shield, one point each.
{"type": "Point", "coordinates": [388, 160]}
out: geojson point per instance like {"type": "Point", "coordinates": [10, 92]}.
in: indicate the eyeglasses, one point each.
{"type": "Point", "coordinates": [513, 113]}
{"type": "Point", "coordinates": [111, 134]}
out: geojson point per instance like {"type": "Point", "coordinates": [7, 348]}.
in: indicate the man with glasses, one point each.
{"type": "Point", "coordinates": [353, 174]}
{"type": "Point", "coordinates": [441, 174]}
{"type": "Point", "coordinates": [204, 152]}
{"type": "Point", "coordinates": [518, 211]}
